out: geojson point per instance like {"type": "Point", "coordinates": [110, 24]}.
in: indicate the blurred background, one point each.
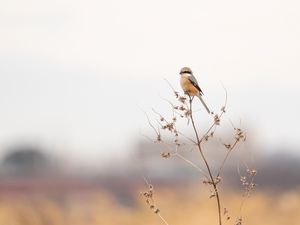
{"type": "Point", "coordinates": [76, 78]}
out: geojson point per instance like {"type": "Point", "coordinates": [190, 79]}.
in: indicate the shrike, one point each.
{"type": "Point", "coordinates": [190, 85]}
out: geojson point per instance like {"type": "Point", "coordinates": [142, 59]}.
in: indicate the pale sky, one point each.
{"type": "Point", "coordinates": [74, 74]}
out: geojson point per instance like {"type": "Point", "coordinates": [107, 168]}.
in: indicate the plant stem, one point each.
{"type": "Point", "coordinates": [226, 157]}
{"type": "Point", "coordinates": [206, 163]}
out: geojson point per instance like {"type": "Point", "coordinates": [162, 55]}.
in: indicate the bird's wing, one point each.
{"type": "Point", "coordinates": [195, 83]}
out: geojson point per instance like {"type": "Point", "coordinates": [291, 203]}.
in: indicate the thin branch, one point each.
{"type": "Point", "coordinates": [226, 157]}
{"type": "Point", "coordinates": [150, 124]}
{"type": "Point", "coordinates": [223, 110]}
{"type": "Point", "coordinates": [162, 219]}
{"type": "Point", "coordinates": [173, 106]}
{"type": "Point", "coordinates": [159, 114]}
{"type": "Point", "coordinates": [175, 92]}
{"type": "Point", "coordinates": [149, 196]}
{"type": "Point", "coordinates": [230, 121]}
{"type": "Point", "coordinates": [190, 139]}
{"type": "Point", "coordinates": [245, 197]}
{"type": "Point", "coordinates": [207, 132]}
{"type": "Point", "coordinates": [206, 163]}
{"type": "Point", "coordinates": [148, 138]}
{"type": "Point", "coordinates": [192, 164]}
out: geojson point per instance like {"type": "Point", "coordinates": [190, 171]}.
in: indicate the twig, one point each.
{"type": "Point", "coordinates": [149, 198]}
{"type": "Point", "coordinates": [223, 110]}
{"type": "Point", "coordinates": [175, 92]}
{"type": "Point", "coordinates": [206, 163]}
{"type": "Point", "coordinates": [190, 139]}
{"type": "Point", "coordinates": [162, 219]}
{"type": "Point", "coordinates": [191, 163]}
{"type": "Point", "coordinates": [150, 124]}
{"type": "Point", "coordinates": [226, 156]}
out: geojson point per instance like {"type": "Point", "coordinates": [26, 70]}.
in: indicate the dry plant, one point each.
{"type": "Point", "coordinates": [183, 109]}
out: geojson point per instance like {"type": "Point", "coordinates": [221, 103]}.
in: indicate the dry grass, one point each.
{"type": "Point", "coordinates": [190, 206]}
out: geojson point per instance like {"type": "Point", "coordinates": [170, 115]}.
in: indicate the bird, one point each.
{"type": "Point", "coordinates": [190, 85]}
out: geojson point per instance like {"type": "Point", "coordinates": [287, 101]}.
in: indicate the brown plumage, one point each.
{"type": "Point", "coordinates": [190, 85]}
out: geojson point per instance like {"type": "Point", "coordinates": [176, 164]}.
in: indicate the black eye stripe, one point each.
{"type": "Point", "coordinates": [187, 71]}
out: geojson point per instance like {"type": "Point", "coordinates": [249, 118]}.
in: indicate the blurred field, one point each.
{"type": "Point", "coordinates": [36, 191]}
{"type": "Point", "coordinates": [178, 205]}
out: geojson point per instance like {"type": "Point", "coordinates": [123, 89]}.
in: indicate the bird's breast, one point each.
{"type": "Point", "coordinates": [188, 87]}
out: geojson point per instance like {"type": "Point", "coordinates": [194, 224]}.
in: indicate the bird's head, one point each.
{"type": "Point", "coordinates": [185, 70]}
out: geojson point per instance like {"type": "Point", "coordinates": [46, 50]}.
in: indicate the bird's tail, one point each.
{"type": "Point", "coordinates": [203, 103]}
